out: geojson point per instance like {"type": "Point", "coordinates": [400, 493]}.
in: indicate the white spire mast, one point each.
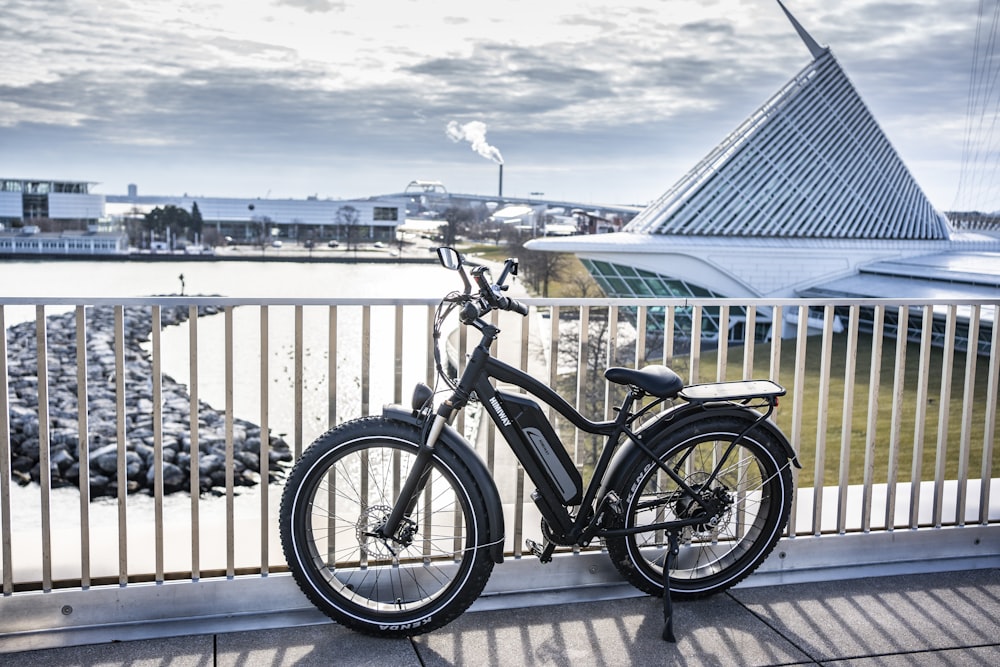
{"type": "Point", "coordinates": [814, 48]}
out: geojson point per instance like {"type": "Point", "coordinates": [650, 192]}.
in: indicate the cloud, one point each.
{"type": "Point", "coordinates": [313, 6]}
{"type": "Point", "coordinates": [319, 81]}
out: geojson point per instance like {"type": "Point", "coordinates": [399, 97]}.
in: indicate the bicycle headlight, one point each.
{"type": "Point", "coordinates": [422, 395]}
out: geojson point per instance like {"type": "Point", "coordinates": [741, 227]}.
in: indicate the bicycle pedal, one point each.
{"type": "Point", "coordinates": [614, 503]}
{"type": "Point", "coordinates": [544, 553]}
{"type": "Point", "coordinates": [611, 508]}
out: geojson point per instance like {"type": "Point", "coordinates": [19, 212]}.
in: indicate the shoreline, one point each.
{"type": "Point", "coordinates": [420, 251]}
{"type": "Point", "coordinates": [208, 449]}
{"type": "Point", "coordinates": [303, 258]}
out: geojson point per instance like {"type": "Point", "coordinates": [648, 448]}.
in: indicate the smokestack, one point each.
{"type": "Point", "coordinates": [475, 133]}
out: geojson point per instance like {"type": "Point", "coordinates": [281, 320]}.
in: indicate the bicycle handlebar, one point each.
{"type": "Point", "coordinates": [490, 297]}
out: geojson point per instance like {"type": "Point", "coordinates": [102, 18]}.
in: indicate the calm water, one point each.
{"type": "Point", "coordinates": [235, 279]}
{"type": "Point", "coordinates": [261, 279]}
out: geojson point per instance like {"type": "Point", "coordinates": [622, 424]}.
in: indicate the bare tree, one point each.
{"type": "Point", "coordinates": [542, 268]}
{"type": "Point", "coordinates": [586, 384]}
{"type": "Point", "coordinates": [261, 229]}
{"type": "Point", "coordinates": [348, 218]}
{"type": "Point", "coordinates": [583, 286]}
{"type": "Point", "coordinates": [458, 217]}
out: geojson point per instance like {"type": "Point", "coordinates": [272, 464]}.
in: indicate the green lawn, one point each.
{"type": "Point", "coordinates": [901, 427]}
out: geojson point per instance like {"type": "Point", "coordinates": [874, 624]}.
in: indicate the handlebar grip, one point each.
{"type": "Point", "coordinates": [516, 306]}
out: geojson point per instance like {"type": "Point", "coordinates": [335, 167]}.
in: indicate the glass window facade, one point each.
{"type": "Point", "coordinates": [621, 281]}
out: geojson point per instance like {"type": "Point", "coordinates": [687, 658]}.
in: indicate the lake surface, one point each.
{"type": "Point", "coordinates": [261, 280]}
{"type": "Point", "coordinates": [234, 279]}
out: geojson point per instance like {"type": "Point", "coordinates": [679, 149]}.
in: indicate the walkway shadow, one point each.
{"type": "Point", "coordinates": [886, 616]}
{"type": "Point", "coordinates": [716, 631]}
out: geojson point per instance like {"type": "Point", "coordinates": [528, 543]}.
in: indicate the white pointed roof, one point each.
{"type": "Point", "coordinates": [812, 162]}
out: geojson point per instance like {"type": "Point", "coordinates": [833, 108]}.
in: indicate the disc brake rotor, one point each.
{"type": "Point", "coordinates": [716, 499]}
{"type": "Point", "coordinates": [371, 545]}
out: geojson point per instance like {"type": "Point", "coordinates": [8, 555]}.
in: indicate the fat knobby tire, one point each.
{"type": "Point", "coordinates": [755, 486]}
{"type": "Point", "coordinates": [333, 502]}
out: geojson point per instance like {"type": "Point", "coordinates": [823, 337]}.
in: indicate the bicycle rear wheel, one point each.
{"type": "Point", "coordinates": [336, 497]}
{"type": "Point", "coordinates": [751, 497]}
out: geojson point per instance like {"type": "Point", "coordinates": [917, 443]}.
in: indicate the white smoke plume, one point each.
{"type": "Point", "coordinates": [475, 133]}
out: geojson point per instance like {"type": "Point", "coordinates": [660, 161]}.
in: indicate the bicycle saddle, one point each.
{"type": "Point", "coordinates": [655, 380]}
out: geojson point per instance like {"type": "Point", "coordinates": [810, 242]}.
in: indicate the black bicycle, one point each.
{"type": "Point", "coordinates": [391, 525]}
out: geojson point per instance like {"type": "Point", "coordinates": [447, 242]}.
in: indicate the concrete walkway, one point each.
{"type": "Point", "coordinates": [928, 619]}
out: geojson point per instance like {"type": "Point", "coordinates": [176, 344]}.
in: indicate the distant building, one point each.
{"type": "Point", "coordinates": [28, 240]}
{"type": "Point", "coordinates": [245, 219]}
{"type": "Point", "coordinates": [23, 200]}
{"type": "Point", "coordinates": [976, 220]}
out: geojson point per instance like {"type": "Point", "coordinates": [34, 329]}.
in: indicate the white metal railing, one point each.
{"type": "Point", "coordinates": [893, 439]}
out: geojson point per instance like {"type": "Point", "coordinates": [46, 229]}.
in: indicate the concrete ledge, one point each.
{"type": "Point", "coordinates": [144, 611]}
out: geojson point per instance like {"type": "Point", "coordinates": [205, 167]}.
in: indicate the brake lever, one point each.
{"type": "Point", "coordinates": [509, 268]}
{"type": "Point", "coordinates": [486, 290]}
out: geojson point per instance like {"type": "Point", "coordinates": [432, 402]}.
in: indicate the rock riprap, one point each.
{"type": "Point", "coordinates": [102, 412]}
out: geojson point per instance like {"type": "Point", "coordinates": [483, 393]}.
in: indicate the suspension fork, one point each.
{"type": "Point", "coordinates": [406, 502]}
{"type": "Point", "coordinates": [417, 477]}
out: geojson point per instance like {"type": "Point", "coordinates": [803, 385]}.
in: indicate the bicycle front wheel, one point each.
{"type": "Point", "coordinates": [750, 495]}
{"type": "Point", "coordinates": [338, 495]}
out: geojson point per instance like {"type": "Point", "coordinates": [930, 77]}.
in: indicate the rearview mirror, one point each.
{"type": "Point", "coordinates": [450, 259]}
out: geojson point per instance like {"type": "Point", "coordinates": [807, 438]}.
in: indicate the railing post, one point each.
{"type": "Point", "coordinates": [847, 423]}
{"type": "Point", "coordinates": [819, 474]}
{"type": "Point", "coordinates": [331, 372]}
{"type": "Point", "coordinates": [920, 417]}
{"type": "Point", "coordinates": [194, 450]}
{"type": "Point", "coordinates": [265, 437]}
{"type": "Point", "coordinates": [871, 429]}
{"type": "Point", "coordinates": [230, 419]}
{"type": "Point", "coordinates": [299, 379]}
{"type": "Point", "coordinates": [44, 444]}
{"type": "Point", "coordinates": [989, 430]}
{"type": "Point", "coordinates": [83, 441]}
{"type": "Point", "coordinates": [6, 544]}
{"type": "Point", "coordinates": [968, 398]}
{"type": "Point", "coordinates": [749, 341]}
{"type": "Point", "coordinates": [121, 420]}
{"type": "Point", "coordinates": [947, 365]}
{"type": "Point", "coordinates": [157, 465]}
{"type": "Point", "coordinates": [895, 428]}
{"type": "Point", "coordinates": [798, 399]}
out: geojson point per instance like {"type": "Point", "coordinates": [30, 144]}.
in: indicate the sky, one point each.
{"type": "Point", "coordinates": [597, 101]}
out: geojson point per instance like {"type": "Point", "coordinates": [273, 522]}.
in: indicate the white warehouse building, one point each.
{"type": "Point", "coordinates": [242, 219]}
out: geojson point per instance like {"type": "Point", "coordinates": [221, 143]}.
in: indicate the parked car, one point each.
{"type": "Point", "coordinates": [333, 243]}
{"type": "Point", "coordinates": [379, 244]}
{"type": "Point", "coordinates": [275, 244]}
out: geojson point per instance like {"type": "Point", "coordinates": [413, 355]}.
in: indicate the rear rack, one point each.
{"type": "Point", "coordinates": [744, 390]}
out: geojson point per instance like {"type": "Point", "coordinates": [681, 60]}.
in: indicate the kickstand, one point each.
{"type": "Point", "coordinates": [668, 607]}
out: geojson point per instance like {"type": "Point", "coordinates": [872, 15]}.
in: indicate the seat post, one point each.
{"type": "Point", "coordinates": [626, 407]}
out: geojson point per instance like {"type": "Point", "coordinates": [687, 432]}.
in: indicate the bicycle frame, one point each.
{"type": "Point", "coordinates": [565, 529]}
{"type": "Point", "coordinates": [692, 497]}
